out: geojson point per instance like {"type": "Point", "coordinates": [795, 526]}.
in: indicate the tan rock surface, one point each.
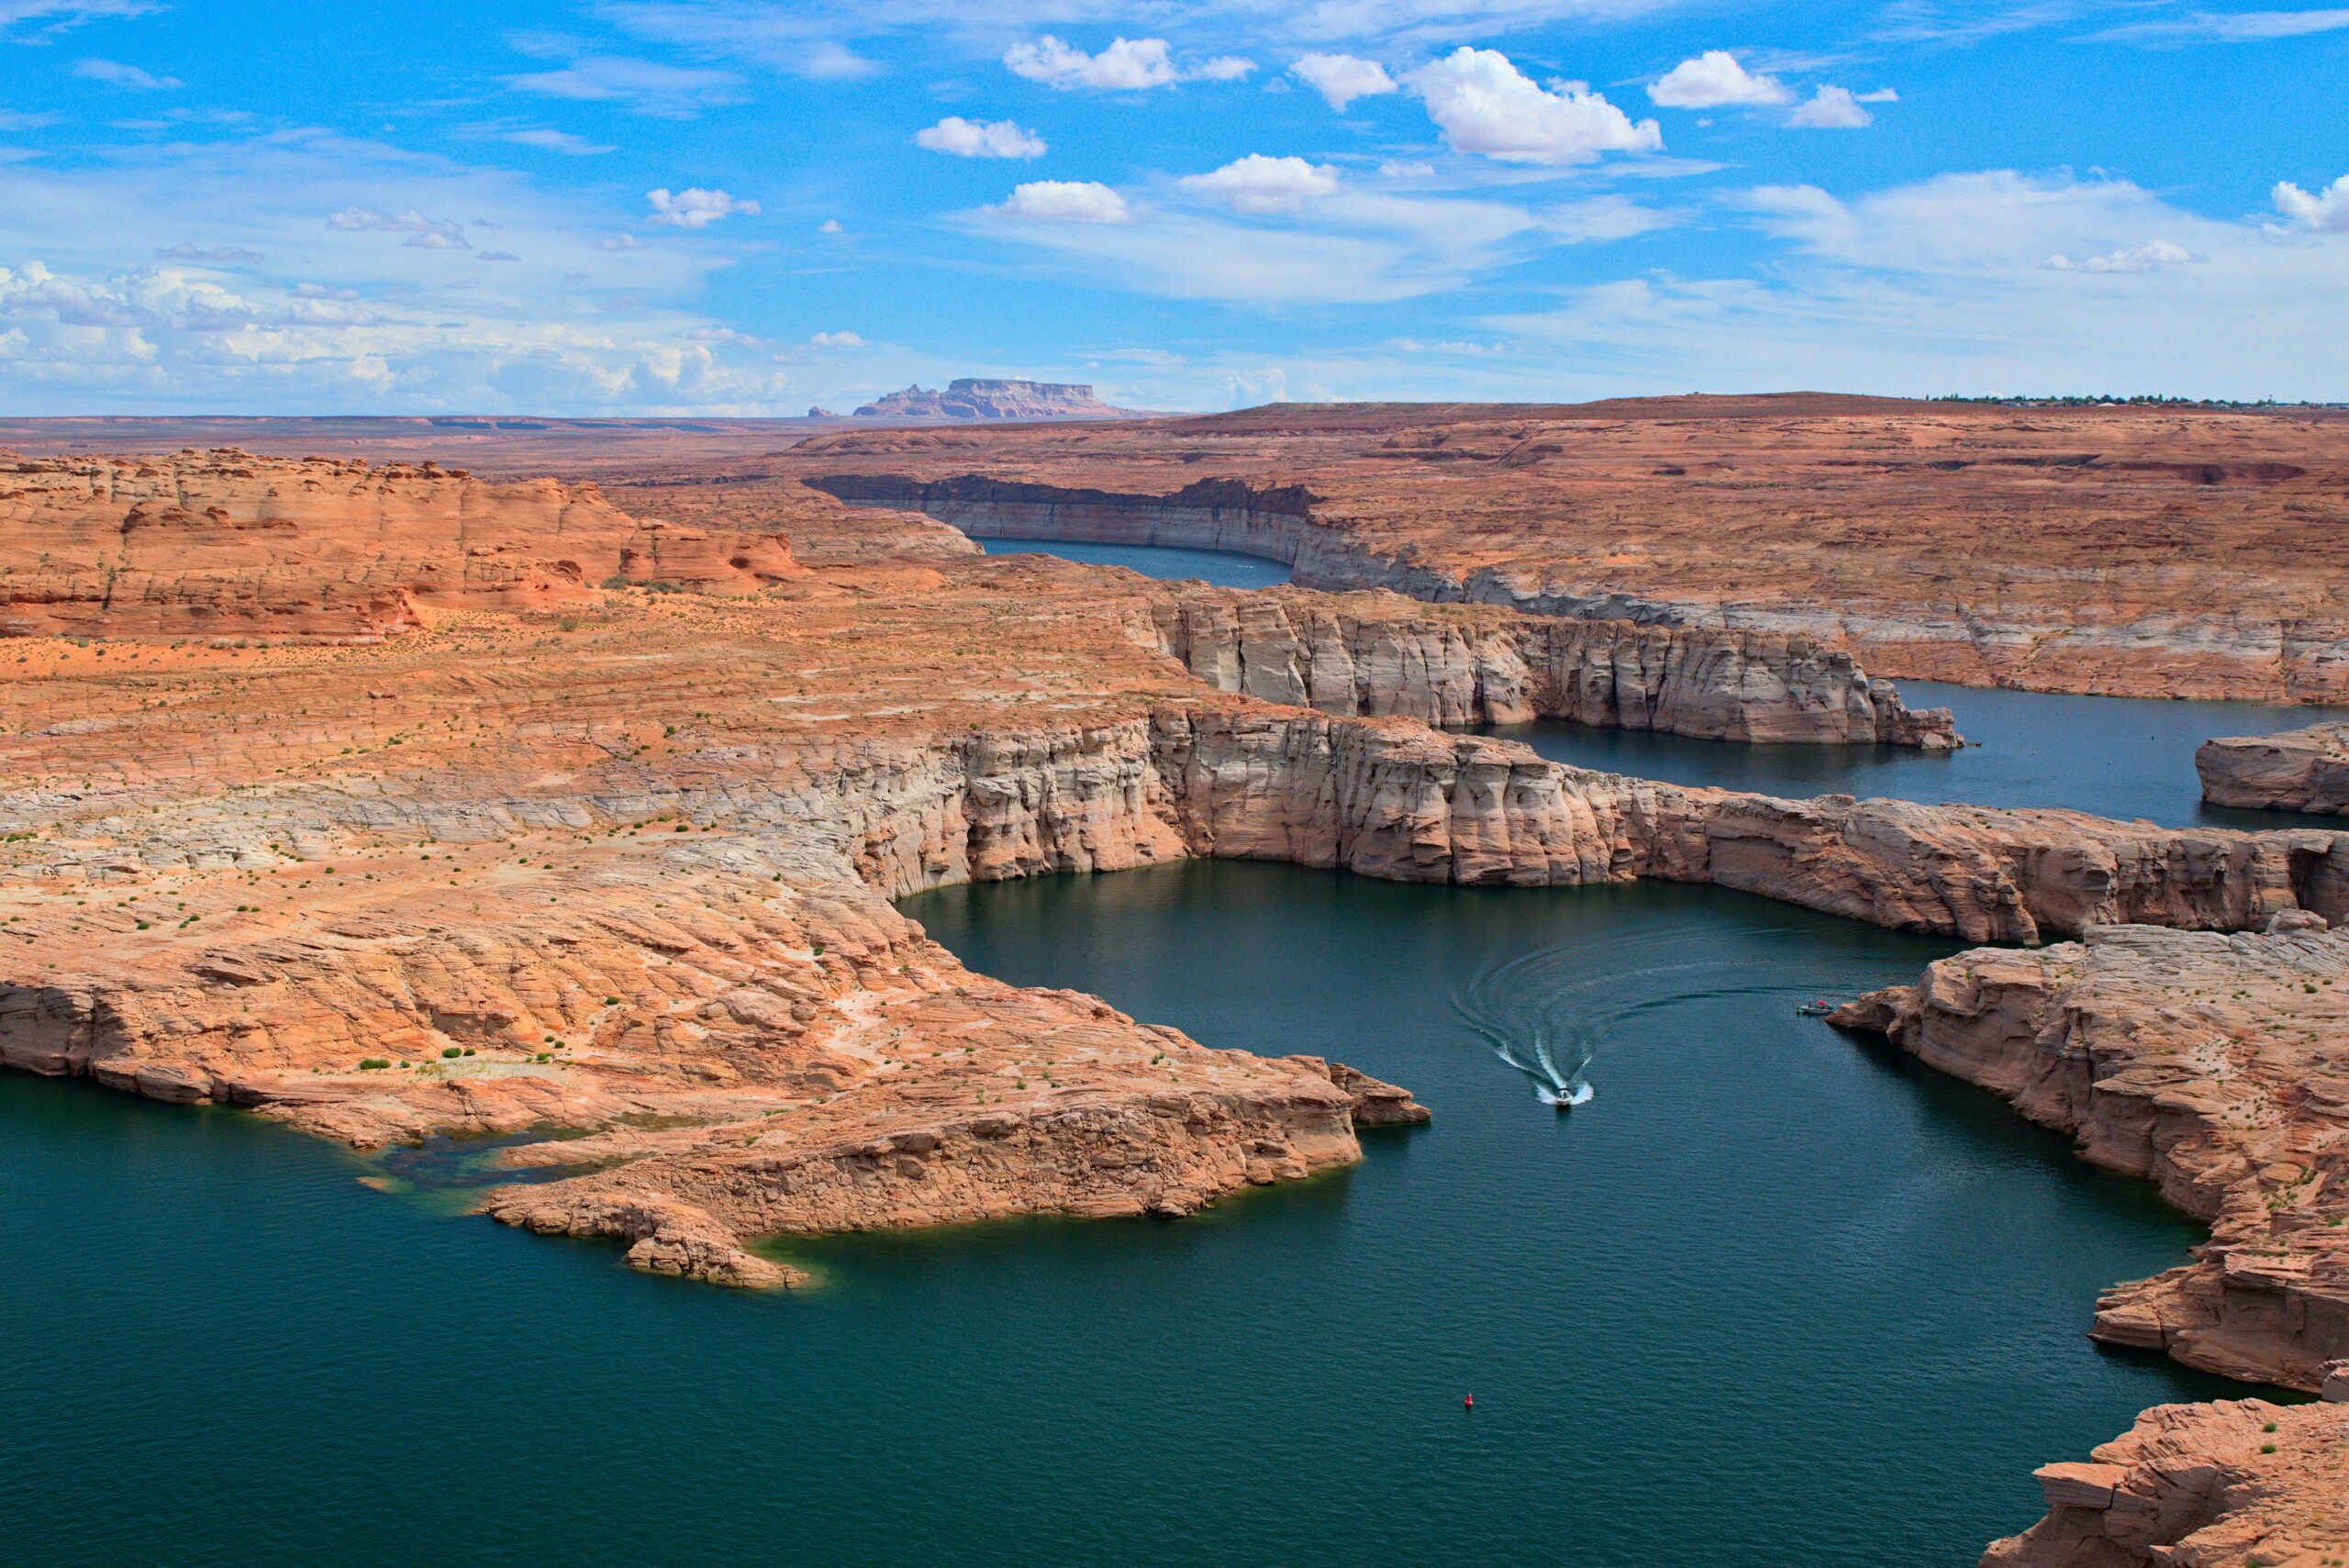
{"type": "Point", "coordinates": [2215, 1485]}
{"type": "Point", "coordinates": [630, 846]}
{"type": "Point", "coordinates": [225, 543]}
{"type": "Point", "coordinates": [2298, 769]}
{"type": "Point", "coordinates": [2215, 1066]}
{"type": "Point", "coordinates": [2194, 553]}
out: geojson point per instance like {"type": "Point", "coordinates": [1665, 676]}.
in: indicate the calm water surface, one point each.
{"type": "Point", "coordinates": [1769, 1298]}
{"type": "Point", "coordinates": [2125, 757]}
{"type": "Point", "coordinates": [1225, 569]}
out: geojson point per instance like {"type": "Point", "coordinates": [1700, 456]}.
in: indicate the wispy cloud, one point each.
{"type": "Point", "coordinates": [423, 233]}
{"type": "Point", "coordinates": [2237, 27]}
{"type": "Point", "coordinates": [549, 141]}
{"type": "Point", "coordinates": [115, 74]}
{"type": "Point", "coordinates": [227, 255]}
{"type": "Point", "coordinates": [643, 86]}
{"type": "Point", "coordinates": [1945, 285]}
{"type": "Point", "coordinates": [373, 325]}
{"type": "Point", "coordinates": [44, 19]}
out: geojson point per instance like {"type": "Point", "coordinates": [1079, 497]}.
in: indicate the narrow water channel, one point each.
{"type": "Point", "coordinates": [1769, 1296]}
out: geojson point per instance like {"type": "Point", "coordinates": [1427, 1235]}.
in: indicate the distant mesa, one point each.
{"type": "Point", "coordinates": [817, 411]}
{"type": "Point", "coordinates": [967, 398]}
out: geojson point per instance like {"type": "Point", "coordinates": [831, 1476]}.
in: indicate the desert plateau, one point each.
{"type": "Point", "coordinates": [1330, 783]}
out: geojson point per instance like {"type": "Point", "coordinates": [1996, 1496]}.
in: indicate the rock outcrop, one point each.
{"type": "Point", "coordinates": [605, 846]}
{"type": "Point", "coordinates": [973, 397]}
{"type": "Point", "coordinates": [2214, 1066]}
{"type": "Point", "coordinates": [224, 543]}
{"type": "Point", "coordinates": [1378, 654]}
{"type": "Point", "coordinates": [2298, 769]}
{"type": "Point", "coordinates": [2215, 1485]}
{"type": "Point", "coordinates": [2172, 552]}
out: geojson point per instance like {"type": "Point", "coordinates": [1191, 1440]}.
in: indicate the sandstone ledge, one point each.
{"type": "Point", "coordinates": [2215, 1485]}
{"type": "Point", "coordinates": [2216, 1066]}
{"type": "Point", "coordinates": [2300, 770]}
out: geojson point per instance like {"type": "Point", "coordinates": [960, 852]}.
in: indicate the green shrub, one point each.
{"type": "Point", "coordinates": [449, 1053]}
{"type": "Point", "coordinates": [374, 1063]}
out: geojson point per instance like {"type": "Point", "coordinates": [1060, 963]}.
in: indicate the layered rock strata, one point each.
{"type": "Point", "coordinates": [2215, 1485]}
{"type": "Point", "coordinates": [2298, 769]}
{"type": "Point", "coordinates": [2171, 553]}
{"type": "Point", "coordinates": [1379, 654]}
{"type": "Point", "coordinates": [224, 543]}
{"type": "Point", "coordinates": [2214, 1066]}
{"type": "Point", "coordinates": [974, 398]}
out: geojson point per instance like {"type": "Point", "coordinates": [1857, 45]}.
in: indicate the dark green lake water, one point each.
{"type": "Point", "coordinates": [1769, 1298]}
{"type": "Point", "coordinates": [2125, 757]}
{"type": "Point", "coordinates": [1224, 568]}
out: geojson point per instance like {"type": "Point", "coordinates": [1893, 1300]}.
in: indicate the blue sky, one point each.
{"type": "Point", "coordinates": [642, 206]}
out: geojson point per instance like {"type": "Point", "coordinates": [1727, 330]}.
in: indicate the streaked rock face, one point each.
{"type": "Point", "coordinates": [2215, 1066]}
{"type": "Point", "coordinates": [2145, 553]}
{"type": "Point", "coordinates": [1377, 654]}
{"type": "Point", "coordinates": [224, 543]}
{"type": "Point", "coordinates": [2300, 770]}
{"type": "Point", "coordinates": [2211, 1486]}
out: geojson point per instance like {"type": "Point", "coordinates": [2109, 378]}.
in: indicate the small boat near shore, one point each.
{"type": "Point", "coordinates": [1817, 1007]}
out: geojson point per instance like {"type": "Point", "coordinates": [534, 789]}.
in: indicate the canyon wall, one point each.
{"type": "Point", "coordinates": [2214, 1066]}
{"type": "Point", "coordinates": [2219, 1485]}
{"type": "Point", "coordinates": [1374, 654]}
{"type": "Point", "coordinates": [1275, 522]}
{"type": "Point", "coordinates": [1393, 799]}
{"type": "Point", "coordinates": [2298, 769]}
{"type": "Point", "coordinates": [225, 543]}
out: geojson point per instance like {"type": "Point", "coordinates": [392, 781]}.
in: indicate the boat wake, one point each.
{"type": "Point", "coordinates": [1549, 1012]}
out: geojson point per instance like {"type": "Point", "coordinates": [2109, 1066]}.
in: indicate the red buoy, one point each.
{"type": "Point", "coordinates": [1469, 1403]}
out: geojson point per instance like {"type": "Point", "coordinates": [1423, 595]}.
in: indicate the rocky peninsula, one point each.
{"type": "Point", "coordinates": [2134, 552]}
{"type": "Point", "coordinates": [388, 801]}
{"type": "Point", "coordinates": [2297, 770]}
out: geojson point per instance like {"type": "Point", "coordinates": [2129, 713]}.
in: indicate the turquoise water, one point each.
{"type": "Point", "coordinates": [1225, 569]}
{"type": "Point", "coordinates": [2125, 757]}
{"type": "Point", "coordinates": [1769, 1298]}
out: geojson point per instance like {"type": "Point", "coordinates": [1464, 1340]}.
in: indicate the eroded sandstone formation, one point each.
{"type": "Point", "coordinates": [2298, 769]}
{"type": "Point", "coordinates": [2157, 552]}
{"type": "Point", "coordinates": [2214, 1066]}
{"type": "Point", "coordinates": [223, 543]}
{"type": "Point", "coordinates": [1379, 654]}
{"type": "Point", "coordinates": [2217, 1485]}
{"type": "Point", "coordinates": [614, 863]}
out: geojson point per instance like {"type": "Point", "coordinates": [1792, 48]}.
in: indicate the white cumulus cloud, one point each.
{"type": "Point", "coordinates": [836, 341]}
{"type": "Point", "coordinates": [2151, 256]}
{"type": "Point", "coordinates": [1343, 78]}
{"type": "Point", "coordinates": [1485, 105]}
{"type": "Point", "coordinates": [980, 139]}
{"type": "Point", "coordinates": [1711, 79]}
{"type": "Point", "coordinates": [1260, 184]}
{"type": "Point", "coordinates": [1836, 109]}
{"type": "Point", "coordinates": [1066, 201]}
{"type": "Point", "coordinates": [1127, 65]}
{"type": "Point", "coordinates": [2326, 212]}
{"type": "Point", "coordinates": [694, 208]}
